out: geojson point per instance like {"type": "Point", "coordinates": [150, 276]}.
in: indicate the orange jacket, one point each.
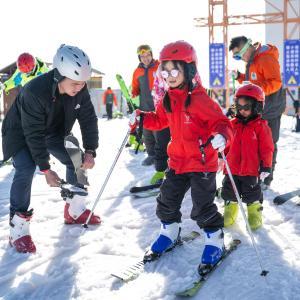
{"type": "Point", "coordinates": [142, 84]}
{"type": "Point", "coordinates": [109, 94]}
{"type": "Point", "coordinates": [264, 70]}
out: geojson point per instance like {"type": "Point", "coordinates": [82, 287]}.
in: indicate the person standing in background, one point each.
{"type": "Point", "coordinates": [109, 99]}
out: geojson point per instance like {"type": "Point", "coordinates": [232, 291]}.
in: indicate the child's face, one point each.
{"type": "Point", "coordinates": [172, 80]}
{"type": "Point", "coordinates": [243, 107]}
{"type": "Point", "coordinates": [146, 58]}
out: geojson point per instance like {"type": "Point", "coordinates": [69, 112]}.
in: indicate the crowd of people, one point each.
{"type": "Point", "coordinates": [184, 132]}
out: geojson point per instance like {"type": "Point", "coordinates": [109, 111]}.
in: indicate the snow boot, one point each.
{"type": "Point", "coordinates": [148, 161]}
{"type": "Point", "coordinates": [157, 177]}
{"type": "Point", "coordinates": [255, 215]}
{"type": "Point", "coordinates": [20, 237]}
{"type": "Point", "coordinates": [76, 213]}
{"type": "Point", "coordinates": [230, 213]}
{"type": "Point", "coordinates": [213, 249]}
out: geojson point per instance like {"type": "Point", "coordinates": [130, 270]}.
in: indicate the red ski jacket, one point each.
{"type": "Point", "coordinates": [251, 149]}
{"type": "Point", "coordinates": [190, 127]}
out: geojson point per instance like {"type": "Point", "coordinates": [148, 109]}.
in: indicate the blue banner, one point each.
{"type": "Point", "coordinates": [217, 65]}
{"type": "Point", "coordinates": [291, 63]}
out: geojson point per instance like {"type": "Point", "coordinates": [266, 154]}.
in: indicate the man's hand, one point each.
{"type": "Point", "coordinates": [88, 161]}
{"type": "Point", "coordinates": [52, 178]}
{"type": "Point", "coordinates": [234, 74]}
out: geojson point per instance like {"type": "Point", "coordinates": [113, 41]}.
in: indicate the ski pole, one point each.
{"type": "Point", "coordinates": [85, 225]}
{"type": "Point", "coordinates": [264, 272]}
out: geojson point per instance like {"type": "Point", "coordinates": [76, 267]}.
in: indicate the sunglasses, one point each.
{"type": "Point", "coordinates": [243, 107]}
{"type": "Point", "coordinates": [174, 73]}
{"type": "Point", "coordinates": [239, 55]}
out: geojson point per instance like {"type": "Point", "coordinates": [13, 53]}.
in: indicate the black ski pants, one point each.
{"type": "Point", "coordinates": [274, 125]}
{"type": "Point", "coordinates": [248, 187]}
{"type": "Point", "coordinates": [203, 189]}
{"type": "Point", "coordinates": [109, 110]}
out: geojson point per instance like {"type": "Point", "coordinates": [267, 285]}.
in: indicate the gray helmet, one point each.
{"type": "Point", "coordinates": [73, 63]}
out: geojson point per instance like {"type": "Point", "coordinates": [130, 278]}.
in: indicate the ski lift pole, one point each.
{"type": "Point", "coordinates": [263, 271]}
{"type": "Point", "coordinates": [85, 225]}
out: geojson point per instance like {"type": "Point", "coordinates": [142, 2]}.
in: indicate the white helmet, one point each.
{"type": "Point", "coordinates": [73, 63]}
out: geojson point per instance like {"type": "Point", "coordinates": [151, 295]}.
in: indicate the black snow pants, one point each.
{"type": "Point", "coordinates": [203, 189]}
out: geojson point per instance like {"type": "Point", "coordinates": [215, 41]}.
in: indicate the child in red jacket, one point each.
{"type": "Point", "coordinates": [249, 156]}
{"type": "Point", "coordinates": [198, 129]}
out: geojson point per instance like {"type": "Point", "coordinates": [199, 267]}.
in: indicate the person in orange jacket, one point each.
{"type": "Point", "coordinates": [199, 129]}
{"type": "Point", "coordinates": [262, 69]}
{"type": "Point", "coordinates": [109, 98]}
{"type": "Point", "coordinates": [142, 85]}
{"type": "Point", "coordinates": [249, 156]}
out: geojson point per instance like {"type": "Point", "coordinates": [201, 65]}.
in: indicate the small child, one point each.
{"type": "Point", "coordinates": [193, 119]}
{"type": "Point", "coordinates": [249, 156]}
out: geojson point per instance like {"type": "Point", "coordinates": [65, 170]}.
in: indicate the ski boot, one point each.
{"type": "Point", "coordinates": [75, 211]}
{"type": "Point", "coordinates": [157, 177]}
{"type": "Point", "coordinates": [213, 250]}
{"type": "Point", "coordinates": [230, 213]}
{"type": "Point", "coordinates": [255, 215]}
{"type": "Point", "coordinates": [168, 237]}
{"type": "Point", "coordinates": [20, 237]}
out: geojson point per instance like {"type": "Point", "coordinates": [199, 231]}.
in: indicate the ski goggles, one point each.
{"type": "Point", "coordinates": [243, 107]}
{"type": "Point", "coordinates": [143, 49]}
{"type": "Point", "coordinates": [165, 74]}
{"type": "Point", "coordinates": [239, 55]}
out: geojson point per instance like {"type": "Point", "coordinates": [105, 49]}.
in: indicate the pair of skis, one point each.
{"type": "Point", "coordinates": [133, 271]}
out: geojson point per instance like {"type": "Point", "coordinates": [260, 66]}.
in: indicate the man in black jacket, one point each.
{"type": "Point", "coordinates": [44, 113]}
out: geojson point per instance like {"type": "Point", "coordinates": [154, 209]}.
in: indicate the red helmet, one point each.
{"type": "Point", "coordinates": [26, 63]}
{"type": "Point", "coordinates": [179, 50]}
{"type": "Point", "coordinates": [251, 90]}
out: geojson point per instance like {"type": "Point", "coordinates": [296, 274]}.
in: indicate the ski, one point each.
{"type": "Point", "coordinates": [125, 92]}
{"type": "Point", "coordinates": [196, 286]}
{"type": "Point", "coordinates": [133, 271]}
{"type": "Point", "coordinates": [146, 194]}
{"type": "Point", "coordinates": [280, 199]}
{"type": "Point", "coordinates": [137, 189]}
{"type": "Point", "coordinates": [76, 155]}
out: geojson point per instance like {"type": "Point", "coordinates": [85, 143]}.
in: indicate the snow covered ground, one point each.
{"type": "Point", "coordinates": [70, 264]}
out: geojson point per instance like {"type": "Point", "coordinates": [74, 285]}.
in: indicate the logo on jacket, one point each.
{"type": "Point", "coordinates": [253, 76]}
{"type": "Point", "coordinates": [77, 106]}
{"type": "Point", "coordinates": [187, 119]}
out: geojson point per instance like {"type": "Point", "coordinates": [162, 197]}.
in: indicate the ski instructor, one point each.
{"type": "Point", "coordinates": [43, 113]}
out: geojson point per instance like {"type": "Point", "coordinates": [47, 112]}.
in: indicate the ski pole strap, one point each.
{"type": "Point", "coordinates": [139, 133]}
{"type": "Point", "coordinates": [202, 146]}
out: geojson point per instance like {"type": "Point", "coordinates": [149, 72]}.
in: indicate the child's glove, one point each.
{"type": "Point", "coordinates": [219, 142]}
{"type": "Point", "coordinates": [134, 119]}
{"type": "Point", "coordinates": [263, 175]}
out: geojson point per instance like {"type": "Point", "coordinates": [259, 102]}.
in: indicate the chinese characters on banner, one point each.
{"type": "Point", "coordinates": [217, 65]}
{"type": "Point", "coordinates": [291, 62]}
